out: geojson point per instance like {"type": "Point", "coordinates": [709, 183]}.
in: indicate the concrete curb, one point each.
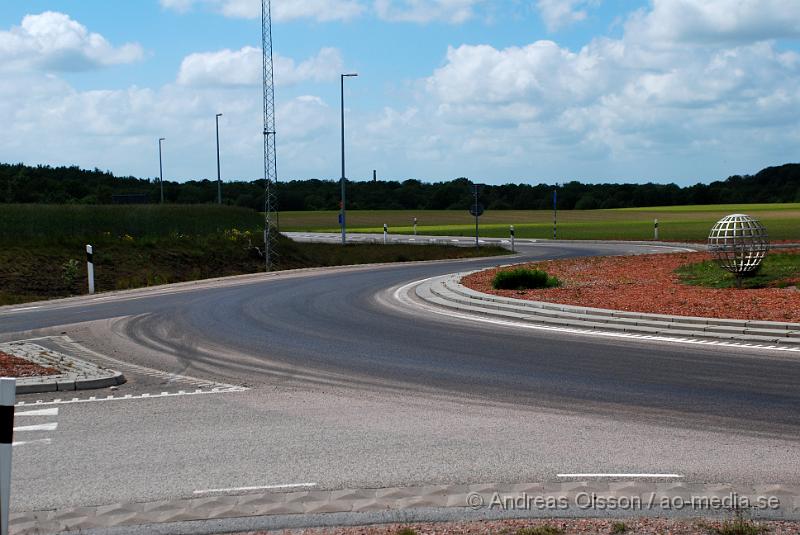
{"type": "Point", "coordinates": [447, 292]}
{"type": "Point", "coordinates": [293, 510]}
{"type": "Point", "coordinates": [76, 374]}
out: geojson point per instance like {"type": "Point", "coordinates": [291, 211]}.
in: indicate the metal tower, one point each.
{"type": "Point", "coordinates": [270, 162]}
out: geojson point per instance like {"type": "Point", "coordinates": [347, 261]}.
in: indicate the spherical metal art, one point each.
{"type": "Point", "coordinates": [738, 243]}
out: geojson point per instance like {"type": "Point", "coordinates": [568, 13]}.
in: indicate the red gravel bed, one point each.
{"type": "Point", "coordinates": [11, 366]}
{"type": "Point", "coordinates": [643, 526]}
{"type": "Point", "coordinates": [648, 283]}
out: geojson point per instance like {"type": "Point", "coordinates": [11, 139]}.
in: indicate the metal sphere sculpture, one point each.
{"type": "Point", "coordinates": [738, 243]}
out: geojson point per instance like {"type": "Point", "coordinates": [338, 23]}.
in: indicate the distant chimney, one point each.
{"type": "Point", "coordinates": [374, 175]}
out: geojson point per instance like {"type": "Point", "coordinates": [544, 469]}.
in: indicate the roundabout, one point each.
{"type": "Point", "coordinates": [346, 384]}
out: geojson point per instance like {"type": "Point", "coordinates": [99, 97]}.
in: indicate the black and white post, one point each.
{"type": "Point", "coordinates": [512, 239]}
{"type": "Point", "coordinates": [90, 267]}
{"type": "Point", "coordinates": [655, 230]}
{"type": "Point", "coordinates": [385, 233]}
{"type": "Point", "coordinates": [415, 226]}
{"type": "Point", "coordinates": [8, 397]}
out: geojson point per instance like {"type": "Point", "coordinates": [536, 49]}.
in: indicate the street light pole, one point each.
{"type": "Point", "coordinates": [219, 178]}
{"type": "Point", "coordinates": [161, 169]}
{"type": "Point", "coordinates": [344, 180]}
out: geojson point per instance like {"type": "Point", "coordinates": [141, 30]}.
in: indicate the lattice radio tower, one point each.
{"type": "Point", "coordinates": [270, 161]}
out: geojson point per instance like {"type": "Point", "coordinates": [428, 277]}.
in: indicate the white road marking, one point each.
{"type": "Point", "coordinates": [660, 476]}
{"type": "Point", "coordinates": [40, 412]}
{"type": "Point", "coordinates": [27, 442]}
{"type": "Point", "coordinates": [38, 427]}
{"type": "Point", "coordinates": [128, 397]}
{"type": "Point", "coordinates": [263, 487]}
{"type": "Point", "coordinates": [397, 295]}
{"type": "Point", "coordinates": [23, 309]}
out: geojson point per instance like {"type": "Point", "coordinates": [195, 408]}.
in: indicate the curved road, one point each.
{"type": "Point", "coordinates": [349, 387]}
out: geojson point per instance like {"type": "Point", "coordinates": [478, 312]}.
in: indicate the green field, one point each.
{"type": "Point", "coordinates": [779, 270]}
{"type": "Point", "coordinates": [677, 223]}
{"type": "Point", "coordinates": [42, 248]}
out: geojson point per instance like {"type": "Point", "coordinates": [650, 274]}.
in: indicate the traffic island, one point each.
{"type": "Point", "coordinates": [682, 284]}
{"type": "Point", "coordinates": [40, 369]}
{"type": "Point", "coordinates": [631, 296]}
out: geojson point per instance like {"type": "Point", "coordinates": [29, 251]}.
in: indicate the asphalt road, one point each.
{"type": "Point", "coordinates": [348, 388]}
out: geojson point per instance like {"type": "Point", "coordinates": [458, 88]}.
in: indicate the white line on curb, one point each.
{"type": "Point", "coordinates": [263, 487]}
{"type": "Point", "coordinates": [397, 295]}
{"type": "Point", "coordinates": [660, 476]}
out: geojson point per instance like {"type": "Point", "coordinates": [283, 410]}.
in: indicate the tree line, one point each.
{"type": "Point", "coordinates": [71, 185]}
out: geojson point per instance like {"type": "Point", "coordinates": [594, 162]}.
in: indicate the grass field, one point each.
{"type": "Point", "coordinates": [42, 248]}
{"type": "Point", "coordinates": [677, 223]}
{"type": "Point", "coordinates": [41, 223]}
{"type": "Point", "coordinates": [779, 270]}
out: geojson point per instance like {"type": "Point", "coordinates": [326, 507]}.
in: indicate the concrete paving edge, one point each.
{"type": "Point", "coordinates": [447, 292]}
{"type": "Point", "coordinates": [317, 508]}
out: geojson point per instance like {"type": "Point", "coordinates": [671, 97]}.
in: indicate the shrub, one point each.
{"type": "Point", "coordinates": [69, 272]}
{"type": "Point", "coordinates": [523, 279]}
{"type": "Point", "coordinates": [545, 529]}
{"type": "Point", "coordinates": [619, 527]}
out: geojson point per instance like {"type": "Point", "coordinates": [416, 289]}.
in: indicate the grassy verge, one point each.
{"type": "Point", "coordinates": [779, 270]}
{"type": "Point", "coordinates": [676, 223]}
{"type": "Point", "coordinates": [42, 248]}
{"type": "Point", "coordinates": [43, 272]}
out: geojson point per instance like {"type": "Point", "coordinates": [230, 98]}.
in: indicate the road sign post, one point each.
{"type": "Point", "coordinates": [8, 397]}
{"type": "Point", "coordinates": [476, 209]}
{"type": "Point", "coordinates": [555, 214]}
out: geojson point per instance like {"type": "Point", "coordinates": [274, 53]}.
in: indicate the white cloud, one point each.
{"type": "Point", "coordinates": [282, 10]}
{"type": "Point", "coordinates": [632, 103]}
{"type": "Point", "coordinates": [117, 129]}
{"type": "Point", "coordinates": [53, 41]}
{"type": "Point", "coordinates": [560, 13]}
{"type": "Point", "coordinates": [714, 21]}
{"type": "Point", "coordinates": [423, 11]}
{"type": "Point", "coordinates": [243, 67]}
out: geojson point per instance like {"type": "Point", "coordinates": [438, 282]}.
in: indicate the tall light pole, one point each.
{"type": "Point", "coordinates": [219, 178]}
{"type": "Point", "coordinates": [344, 180]}
{"type": "Point", "coordinates": [161, 169]}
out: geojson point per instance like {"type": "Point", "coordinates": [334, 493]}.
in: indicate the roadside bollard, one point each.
{"type": "Point", "coordinates": [512, 239]}
{"type": "Point", "coordinates": [8, 396]}
{"type": "Point", "coordinates": [385, 233]}
{"type": "Point", "coordinates": [655, 230]}
{"type": "Point", "coordinates": [415, 226]}
{"type": "Point", "coordinates": [90, 267]}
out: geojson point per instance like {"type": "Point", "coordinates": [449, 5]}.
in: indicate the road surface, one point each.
{"type": "Point", "coordinates": [319, 377]}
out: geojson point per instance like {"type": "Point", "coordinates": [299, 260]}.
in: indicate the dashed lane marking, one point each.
{"type": "Point", "coordinates": [129, 397]}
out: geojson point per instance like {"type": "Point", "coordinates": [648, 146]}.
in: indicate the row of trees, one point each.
{"type": "Point", "coordinates": [61, 185]}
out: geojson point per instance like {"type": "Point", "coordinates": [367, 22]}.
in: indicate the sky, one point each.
{"type": "Point", "coordinates": [498, 91]}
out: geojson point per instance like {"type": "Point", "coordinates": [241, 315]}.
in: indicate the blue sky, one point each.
{"type": "Point", "coordinates": [495, 90]}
